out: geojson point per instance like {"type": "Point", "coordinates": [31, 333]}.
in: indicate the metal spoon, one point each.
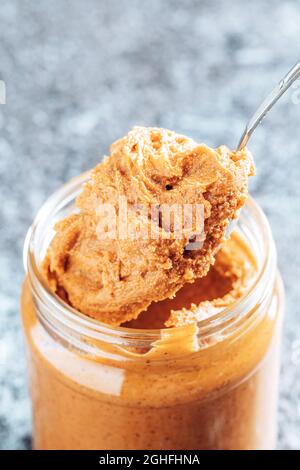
{"type": "Point", "coordinates": [261, 113]}
{"type": "Point", "coordinates": [268, 103]}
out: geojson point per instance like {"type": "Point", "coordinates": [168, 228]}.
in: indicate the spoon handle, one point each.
{"type": "Point", "coordinates": [268, 103]}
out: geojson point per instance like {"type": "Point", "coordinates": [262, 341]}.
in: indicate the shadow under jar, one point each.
{"type": "Point", "coordinates": [212, 385]}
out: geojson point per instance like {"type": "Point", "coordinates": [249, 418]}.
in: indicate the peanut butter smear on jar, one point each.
{"type": "Point", "coordinates": [129, 246]}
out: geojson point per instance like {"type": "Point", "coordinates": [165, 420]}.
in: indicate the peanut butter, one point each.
{"type": "Point", "coordinates": [178, 394]}
{"type": "Point", "coordinates": [115, 279]}
{"type": "Point", "coordinates": [195, 362]}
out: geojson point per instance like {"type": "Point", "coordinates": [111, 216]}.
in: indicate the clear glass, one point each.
{"type": "Point", "coordinates": [213, 385]}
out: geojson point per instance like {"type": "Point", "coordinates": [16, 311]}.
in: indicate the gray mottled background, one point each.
{"type": "Point", "coordinates": [80, 73]}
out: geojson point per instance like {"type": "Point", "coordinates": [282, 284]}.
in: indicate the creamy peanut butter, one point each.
{"type": "Point", "coordinates": [115, 279]}
{"type": "Point", "coordinates": [178, 394]}
{"type": "Point", "coordinates": [188, 386]}
{"type": "Point", "coordinates": [227, 280]}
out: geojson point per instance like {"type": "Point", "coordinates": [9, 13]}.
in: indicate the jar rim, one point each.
{"type": "Point", "coordinates": [72, 319]}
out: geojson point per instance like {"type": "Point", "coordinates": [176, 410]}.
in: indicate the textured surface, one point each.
{"type": "Point", "coordinates": [115, 280]}
{"type": "Point", "coordinates": [80, 74]}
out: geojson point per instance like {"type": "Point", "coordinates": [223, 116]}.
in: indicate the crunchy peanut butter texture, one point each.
{"type": "Point", "coordinates": [113, 280]}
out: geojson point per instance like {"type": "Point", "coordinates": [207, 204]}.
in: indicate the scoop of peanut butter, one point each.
{"type": "Point", "coordinates": [151, 219]}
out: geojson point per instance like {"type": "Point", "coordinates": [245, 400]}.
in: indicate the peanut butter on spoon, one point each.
{"type": "Point", "coordinates": [112, 270]}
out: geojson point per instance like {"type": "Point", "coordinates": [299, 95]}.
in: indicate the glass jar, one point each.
{"type": "Point", "coordinates": [213, 385]}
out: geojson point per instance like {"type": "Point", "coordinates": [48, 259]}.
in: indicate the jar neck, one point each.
{"type": "Point", "coordinates": [89, 335]}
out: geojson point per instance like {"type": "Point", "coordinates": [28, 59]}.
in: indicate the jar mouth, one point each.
{"type": "Point", "coordinates": [252, 224]}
